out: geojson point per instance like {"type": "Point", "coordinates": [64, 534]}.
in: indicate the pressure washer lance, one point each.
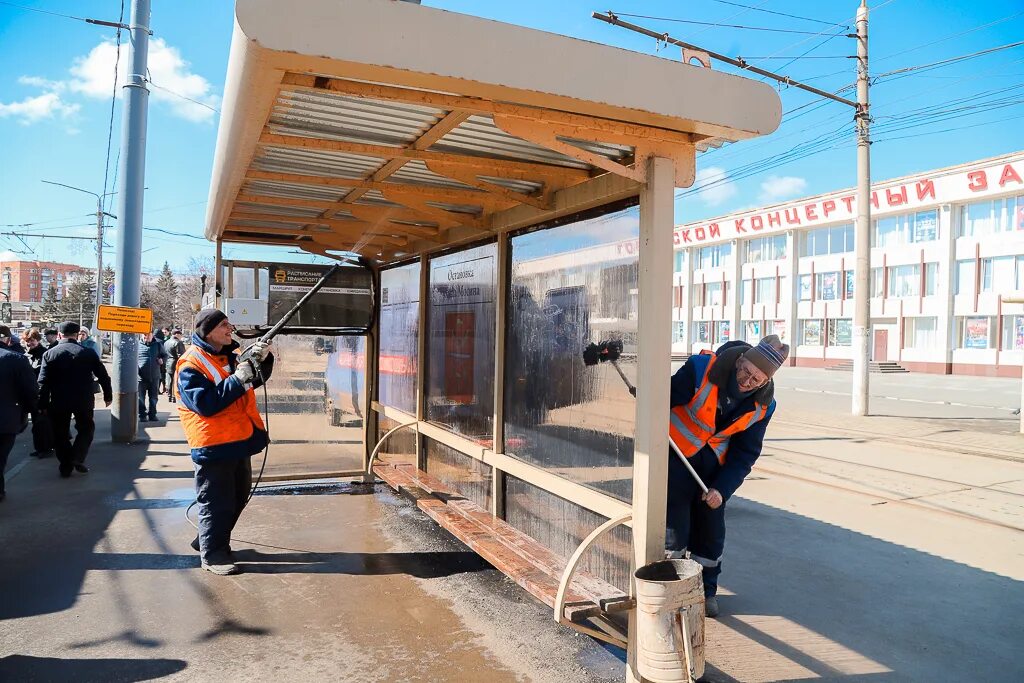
{"type": "Point", "coordinates": [609, 352]}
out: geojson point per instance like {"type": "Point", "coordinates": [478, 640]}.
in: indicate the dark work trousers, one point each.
{"type": "Point", "coordinates": [71, 454]}
{"type": "Point", "coordinates": [6, 444]}
{"type": "Point", "coordinates": [170, 383]}
{"type": "Point", "coordinates": [42, 433]}
{"type": "Point", "coordinates": [222, 489]}
{"type": "Point", "coordinates": [148, 386]}
{"type": "Point", "coordinates": [690, 523]}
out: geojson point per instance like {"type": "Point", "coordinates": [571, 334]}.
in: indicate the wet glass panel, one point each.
{"type": "Point", "coordinates": [460, 342]}
{"type": "Point", "coordinates": [317, 404]}
{"type": "Point", "coordinates": [399, 336]}
{"type": "Point", "coordinates": [573, 285]}
{"type": "Point", "coordinates": [400, 447]}
{"type": "Point", "coordinates": [468, 476]}
{"type": "Point", "coordinates": [561, 526]}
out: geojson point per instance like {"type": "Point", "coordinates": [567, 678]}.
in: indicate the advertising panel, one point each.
{"type": "Point", "coordinates": [976, 333]}
{"type": "Point", "coordinates": [346, 301]}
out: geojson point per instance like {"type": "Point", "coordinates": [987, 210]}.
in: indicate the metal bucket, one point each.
{"type": "Point", "coordinates": [670, 621]}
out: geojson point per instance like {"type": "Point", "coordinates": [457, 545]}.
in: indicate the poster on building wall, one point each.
{"type": "Point", "coordinates": [753, 331]}
{"type": "Point", "coordinates": [976, 333]}
{"type": "Point", "coordinates": [812, 333]}
{"type": "Point", "coordinates": [805, 288]}
{"type": "Point", "coordinates": [723, 331]}
{"type": "Point", "coordinates": [849, 284]}
{"type": "Point", "coordinates": [779, 329]}
{"type": "Point", "coordinates": [844, 333]}
{"type": "Point", "coordinates": [1018, 333]}
{"type": "Point", "coordinates": [924, 227]}
{"type": "Point", "coordinates": [828, 286]}
{"type": "Point", "coordinates": [704, 332]}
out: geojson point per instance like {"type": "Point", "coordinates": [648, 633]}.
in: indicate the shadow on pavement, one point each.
{"type": "Point", "coordinates": [47, 669]}
{"type": "Point", "coordinates": [848, 607]}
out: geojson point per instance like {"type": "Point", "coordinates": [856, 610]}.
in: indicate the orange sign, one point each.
{"type": "Point", "coordinates": [125, 319]}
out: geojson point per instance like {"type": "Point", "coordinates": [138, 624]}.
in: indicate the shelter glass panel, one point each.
{"type": "Point", "coordinates": [317, 404]}
{"type": "Point", "coordinates": [467, 475]}
{"type": "Point", "coordinates": [561, 526]}
{"type": "Point", "coordinates": [559, 413]}
{"type": "Point", "coordinates": [399, 336]}
{"type": "Point", "coordinates": [460, 342]}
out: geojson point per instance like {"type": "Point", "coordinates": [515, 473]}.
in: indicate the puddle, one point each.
{"type": "Point", "coordinates": [316, 489]}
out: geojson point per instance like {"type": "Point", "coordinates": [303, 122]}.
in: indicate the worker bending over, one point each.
{"type": "Point", "coordinates": [721, 404]}
{"type": "Point", "coordinates": [222, 423]}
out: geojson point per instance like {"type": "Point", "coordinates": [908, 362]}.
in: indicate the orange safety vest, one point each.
{"type": "Point", "coordinates": [234, 423]}
{"type": "Point", "coordinates": [692, 426]}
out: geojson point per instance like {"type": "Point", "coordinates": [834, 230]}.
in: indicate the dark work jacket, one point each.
{"type": "Point", "coordinates": [198, 394]}
{"type": "Point", "coordinates": [745, 446]}
{"type": "Point", "coordinates": [150, 354]}
{"type": "Point", "coordinates": [35, 358]}
{"type": "Point", "coordinates": [18, 397]}
{"type": "Point", "coordinates": [66, 377]}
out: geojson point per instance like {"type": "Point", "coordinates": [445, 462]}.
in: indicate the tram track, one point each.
{"type": "Point", "coordinates": [821, 477]}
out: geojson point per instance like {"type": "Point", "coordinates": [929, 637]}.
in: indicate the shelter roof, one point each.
{"type": "Point", "coordinates": [391, 129]}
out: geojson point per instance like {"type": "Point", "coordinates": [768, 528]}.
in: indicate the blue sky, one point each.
{"type": "Point", "coordinates": [56, 75]}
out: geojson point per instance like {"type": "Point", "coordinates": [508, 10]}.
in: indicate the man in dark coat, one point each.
{"type": "Point", "coordinates": [17, 400]}
{"type": "Point", "coordinates": [151, 364]}
{"type": "Point", "coordinates": [65, 391]}
{"type": "Point", "coordinates": [51, 337]}
{"type": "Point", "coordinates": [42, 433]}
{"type": "Point", "coordinates": [173, 348]}
{"type": "Point", "coordinates": [9, 341]}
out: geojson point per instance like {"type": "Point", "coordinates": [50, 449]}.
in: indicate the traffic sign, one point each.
{"type": "Point", "coordinates": [125, 319]}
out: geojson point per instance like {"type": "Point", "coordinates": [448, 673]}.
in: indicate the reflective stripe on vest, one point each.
{"type": "Point", "coordinates": [691, 427]}
{"type": "Point", "coordinates": [234, 423]}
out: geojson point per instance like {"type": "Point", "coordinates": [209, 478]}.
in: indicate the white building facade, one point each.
{"type": "Point", "coordinates": [947, 250]}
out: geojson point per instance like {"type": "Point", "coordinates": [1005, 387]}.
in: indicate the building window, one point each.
{"type": "Point", "coordinates": [763, 249]}
{"type": "Point", "coordinates": [835, 240]}
{"type": "Point", "coordinates": [713, 294]}
{"type": "Point", "coordinates": [990, 217]}
{"type": "Point", "coordinates": [680, 261]}
{"type": "Point", "coordinates": [764, 290]}
{"type": "Point", "coordinates": [965, 276]}
{"type": "Point", "coordinates": [1013, 332]}
{"type": "Point", "coordinates": [722, 331]}
{"type": "Point", "coordinates": [751, 331]}
{"type": "Point", "coordinates": [810, 332]}
{"type": "Point", "coordinates": [998, 274]}
{"type": "Point", "coordinates": [850, 279]}
{"type": "Point", "coordinates": [921, 333]}
{"type": "Point", "coordinates": [714, 256]}
{"type": "Point", "coordinates": [931, 278]}
{"type": "Point", "coordinates": [877, 280]}
{"type": "Point", "coordinates": [745, 291]}
{"type": "Point", "coordinates": [702, 332]}
{"type": "Point", "coordinates": [678, 332]}
{"type": "Point", "coordinates": [975, 332]}
{"type": "Point", "coordinates": [904, 281]}
{"type": "Point", "coordinates": [805, 288]}
{"type": "Point", "coordinates": [907, 228]}
{"type": "Point", "coordinates": [840, 332]}
{"type": "Point", "coordinates": [826, 286]}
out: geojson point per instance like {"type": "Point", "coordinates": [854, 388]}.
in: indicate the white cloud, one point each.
{"type": "Point", "coordinates": [613, 229]}
{"type": "Point", "coordinates": [173, 84]}
{"type": "Point", "coordinates": [713, 186]}
{"type": "Point", "coordinates": [32, 109]}
{"type": "Point", "coordinates": [9, 256]}
{"type": "Point", "coordinates": [776, 188]}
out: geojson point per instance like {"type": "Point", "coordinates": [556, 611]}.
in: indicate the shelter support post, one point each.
{"type": "Point", "coordinates": [371, 352]}
{"type": "Point", "coordinates": [500, 318]}
{"type": "Point", "coordinates": [421, 363]}
{"type": "Point", "coordinates": [654, 357]}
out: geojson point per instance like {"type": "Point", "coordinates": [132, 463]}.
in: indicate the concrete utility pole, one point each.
{"type": "Point", "coordinates": [862, 268]}
{"type": "Point", "coordinates": [124, 411]}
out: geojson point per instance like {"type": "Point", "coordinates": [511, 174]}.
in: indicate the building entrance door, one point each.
{"type": "Point", "coordinates": [881, 347]}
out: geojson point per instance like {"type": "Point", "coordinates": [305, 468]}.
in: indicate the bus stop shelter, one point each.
{"type": "Point", "coordinates": [513, 191]}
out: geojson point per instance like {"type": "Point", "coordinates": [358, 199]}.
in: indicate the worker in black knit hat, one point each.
{"type": "Point", "coordinates": [216, 400]}
{"type": "Point", "coordinates": [721, 404]}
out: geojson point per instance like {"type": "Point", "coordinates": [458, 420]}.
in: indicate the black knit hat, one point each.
{"type": "Point", "coordinates": [49, 331]}
{"type": "Point", "coordinates": [207, 319]}
{"type": "Point", "coordinates": [69, 328]}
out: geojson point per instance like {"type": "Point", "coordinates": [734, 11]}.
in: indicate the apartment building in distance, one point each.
{"type": "Point", "coordinates": [28, 281]}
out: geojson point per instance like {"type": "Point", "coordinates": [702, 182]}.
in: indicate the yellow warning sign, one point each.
{"type": "Point", "coordinates": [125, 319]}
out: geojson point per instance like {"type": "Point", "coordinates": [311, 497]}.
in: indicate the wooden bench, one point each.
{"type": "Point", "coordinates": [524, 560]}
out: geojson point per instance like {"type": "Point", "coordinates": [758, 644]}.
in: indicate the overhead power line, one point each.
{"type": "Point", "coordinates": [944, 62]}
{"type": "Point", "coordinates": [97, 22]}
{"type": "Point", "coordinates": [780, 14]}
{"type": "Point", "coordinates": [715, 24]}
{"type": "Point", "coordinates": [110, 128]}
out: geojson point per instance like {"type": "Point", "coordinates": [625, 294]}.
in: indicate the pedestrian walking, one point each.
{"type": "Point", "coordinates": [174, 347]}
{"type": "Point", "coordinates": [66, 391]}
{"type": "Point", "coordinates": [151, 363]}
{"type": "Point", "coordinates": [222, 423]}
{"type": "Point", "coordinates": [86, 340]}
{"type": "Point", "coordinates": [42, 432]}
{"type": "Point", "coordinates": [51, 338]}
{"type": "Point", "coordinates": [160, 334]}
{"type": "Point", "coordinates": [721, 405]}
{"type": "Point", "coordinates": [17, 400]}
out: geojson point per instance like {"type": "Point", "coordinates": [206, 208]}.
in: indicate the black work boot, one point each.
{"type": "Point", "coordinates": [220, 563]}
{"type": "Point", "coordinates": [711, 606]}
